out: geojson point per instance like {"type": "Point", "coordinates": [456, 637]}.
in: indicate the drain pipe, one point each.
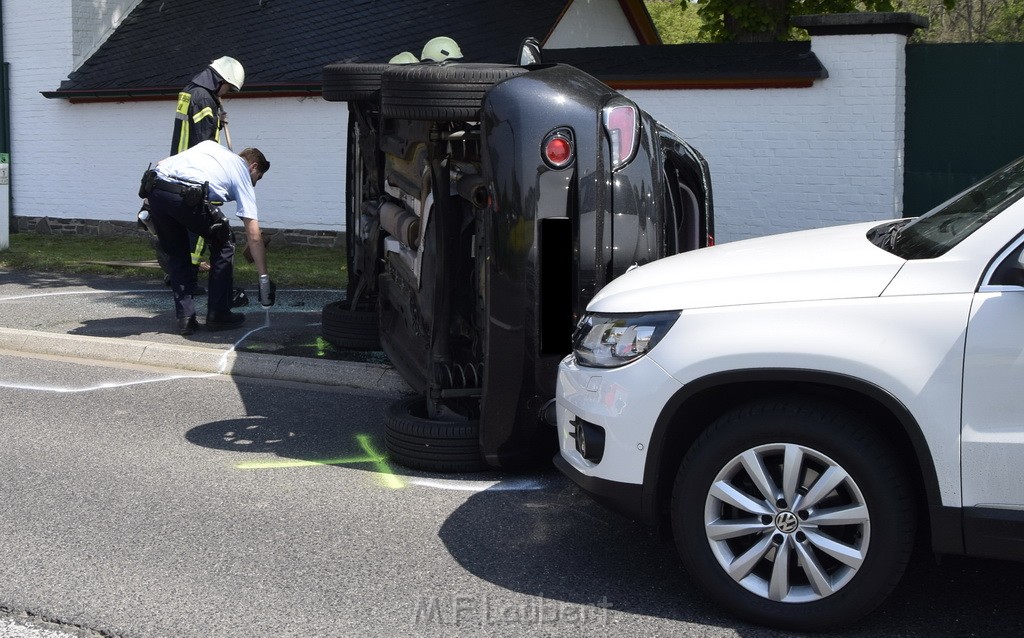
{"type": "Point", "coordinates": [6, 209]}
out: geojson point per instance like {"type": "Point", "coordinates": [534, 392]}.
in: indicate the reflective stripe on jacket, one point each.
{"type": "Point", "coordinates": [197, 116]}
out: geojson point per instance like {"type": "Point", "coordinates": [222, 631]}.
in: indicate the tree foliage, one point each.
{"type": "Point", "coordinates": [675, 26]}
{"type": "Point", "coordinates": [768, 20]}
{"type": "Point", "coordinates": [970, 20]}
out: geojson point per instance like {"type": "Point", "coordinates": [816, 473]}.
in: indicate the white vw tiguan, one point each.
{"type": "Point", "coordinates": [800, 409]}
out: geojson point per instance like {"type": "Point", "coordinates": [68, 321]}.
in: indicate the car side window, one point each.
{"type": "Point", "coordinates": [1010, 271]}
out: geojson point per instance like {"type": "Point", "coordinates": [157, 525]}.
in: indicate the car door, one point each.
{"type": "Point", "coordinates": [992, 443]}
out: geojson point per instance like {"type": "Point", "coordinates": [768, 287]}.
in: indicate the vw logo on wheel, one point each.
{"type": "Point", "coordinates": [787, 522]}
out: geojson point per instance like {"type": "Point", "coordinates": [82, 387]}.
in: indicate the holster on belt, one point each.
{"type": "Point", "coordinates": [218, 226]}
{"type": "Point", "coordinates": [193, 196]}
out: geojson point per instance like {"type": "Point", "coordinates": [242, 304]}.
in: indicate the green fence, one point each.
{"type": "Point", "coordinates": [965, 117]}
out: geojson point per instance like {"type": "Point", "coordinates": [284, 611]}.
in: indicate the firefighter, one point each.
{"type": "Point", "coordinates": [184, 193]}
{"type": "Point", "coordinates": [200, 115]}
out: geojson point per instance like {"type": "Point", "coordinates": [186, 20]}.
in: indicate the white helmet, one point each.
{"type": "Point", "coordinates": [405, 57]}
{"type": "Point", "coordinates": [439, 49]}
{"type": "Point", "coordinates": [230, 70]}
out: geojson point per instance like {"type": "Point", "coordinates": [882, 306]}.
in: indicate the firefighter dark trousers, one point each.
{"type": "Point", "coordinates": [173, 220]}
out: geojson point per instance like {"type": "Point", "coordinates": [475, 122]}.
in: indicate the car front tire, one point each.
{"type": "Point", "coordinates": [793, 514]}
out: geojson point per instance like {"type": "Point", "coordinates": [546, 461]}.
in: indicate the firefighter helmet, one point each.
{"type": "Point", "coordinates": [230, 70]}
{"type": "Point", "coordinates": [439, 49]}
{"type": "Point", "coordinates": [405, 57]}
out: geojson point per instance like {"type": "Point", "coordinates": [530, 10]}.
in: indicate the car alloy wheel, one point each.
{"type": "Point", "coordinates": [793, 513]}
{"type": "Point", "coordinates": [799, 541]}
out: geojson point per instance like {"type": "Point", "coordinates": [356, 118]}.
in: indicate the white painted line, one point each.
{"type": "Point", "coordinates": [521, 485]}
{"type": "Point", "coordinates": [75, 292]}
{"type": "Point", "coordinates": [121, 292]}
{"type": "Point", "coordinates": [222, 367]}
{"type": "Point", "coordinates": [100, 386]}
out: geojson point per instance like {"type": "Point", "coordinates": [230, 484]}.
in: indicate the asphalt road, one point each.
{"type": "Point", "coordinates": [142, 502]}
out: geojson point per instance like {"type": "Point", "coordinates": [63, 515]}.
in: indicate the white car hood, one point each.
{"type": "Point", "coordinates": [829, 263]}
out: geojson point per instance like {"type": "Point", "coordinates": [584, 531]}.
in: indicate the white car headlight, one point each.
{"type": "Point", "coordinates": [609, 341]}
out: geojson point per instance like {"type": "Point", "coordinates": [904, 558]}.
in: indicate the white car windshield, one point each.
{"type": "Point", "coordinates": [943, 227]}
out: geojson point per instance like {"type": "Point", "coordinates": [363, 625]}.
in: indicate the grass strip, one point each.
{"type": "Point", "coordinates": [134, 258]}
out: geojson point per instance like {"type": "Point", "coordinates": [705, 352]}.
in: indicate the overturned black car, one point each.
{"type": "Point", "coordinates": [486, 204]}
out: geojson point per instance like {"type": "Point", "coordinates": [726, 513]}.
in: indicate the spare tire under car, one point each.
{"type": "Point", "coordinates": [349, 329]}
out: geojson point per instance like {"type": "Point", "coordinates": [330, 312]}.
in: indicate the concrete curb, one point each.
{"type": "Point", "coordinates": [349, 374]}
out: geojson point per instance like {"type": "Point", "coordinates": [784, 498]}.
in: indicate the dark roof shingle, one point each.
{"type": "Point", "coordinates": [284, 44]}
{"type": "Point", "coordinates": [776, 64]}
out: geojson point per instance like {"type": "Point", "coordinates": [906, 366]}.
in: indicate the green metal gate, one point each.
{"type": "Point", "coordinates": [965, 117]}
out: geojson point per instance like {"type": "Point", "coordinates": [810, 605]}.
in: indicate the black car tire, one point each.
{"type": "Point", "coordinates": [350, 329]}
{"type": "Point", "coordinates": [732, 517]}
{"type": "Point", "coordinates": [432, 445]}
{"type": "Point", "coordinates": [350, 82]}
{"type": "Point", "coordinates": [447, 92]}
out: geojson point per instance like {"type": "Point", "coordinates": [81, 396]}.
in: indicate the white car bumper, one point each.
{"type": "Point", "coordinates": [623, 404]}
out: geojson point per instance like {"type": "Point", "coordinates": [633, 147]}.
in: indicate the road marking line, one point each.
{"type": "Point", "coordinates": [100, 386]}
{"type": "Point", "coordinates": [76, 292]}
{"type": "Point", "coordinates": [121, 292]}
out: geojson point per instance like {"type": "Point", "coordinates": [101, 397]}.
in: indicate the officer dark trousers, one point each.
{"type": "Point", "coordinates": [173, 220]}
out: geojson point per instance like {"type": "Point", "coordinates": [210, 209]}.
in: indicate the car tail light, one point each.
{"type": "Point", "coordinates": [558, 148]}
{"type": "Point", "coordinates": [622, 125]}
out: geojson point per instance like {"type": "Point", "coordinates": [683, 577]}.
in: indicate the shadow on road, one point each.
{"type": "Point", "coordinates": [564, 547]}
{"type": "Point", "coordinates": [272, 428]}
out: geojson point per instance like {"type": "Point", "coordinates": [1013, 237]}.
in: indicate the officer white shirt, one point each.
{"type": "Point", "coordinates": [226, 172]}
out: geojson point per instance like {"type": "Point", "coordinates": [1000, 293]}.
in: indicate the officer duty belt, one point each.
{"type": "Point", "coordinates": [191, 194]}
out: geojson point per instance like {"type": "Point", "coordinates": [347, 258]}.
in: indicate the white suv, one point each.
{"type": "Point", "coordinates": [795, 406]}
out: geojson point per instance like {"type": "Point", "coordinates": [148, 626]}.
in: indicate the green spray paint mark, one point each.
{"type": "Point", "coordinates": [387, 477]}
{"type": "Point", "coordinates": [371, 455]}
{"type": "Point", "coordinates": [322, 347]}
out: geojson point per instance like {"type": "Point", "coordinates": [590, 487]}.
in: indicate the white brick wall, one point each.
{"type": "Point", "coordinates": [790, 159]}
{"type": "Point", "coordinates": [783, 159]}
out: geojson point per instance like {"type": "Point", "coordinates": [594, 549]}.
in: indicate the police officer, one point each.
{"type": "Point", "coordinates": [180, 189]}
{"type": "Point", "coordinates": [200, 116]}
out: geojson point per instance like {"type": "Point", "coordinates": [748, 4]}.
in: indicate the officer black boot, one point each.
{"type": "Point", "coordinates": [187, 325]}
